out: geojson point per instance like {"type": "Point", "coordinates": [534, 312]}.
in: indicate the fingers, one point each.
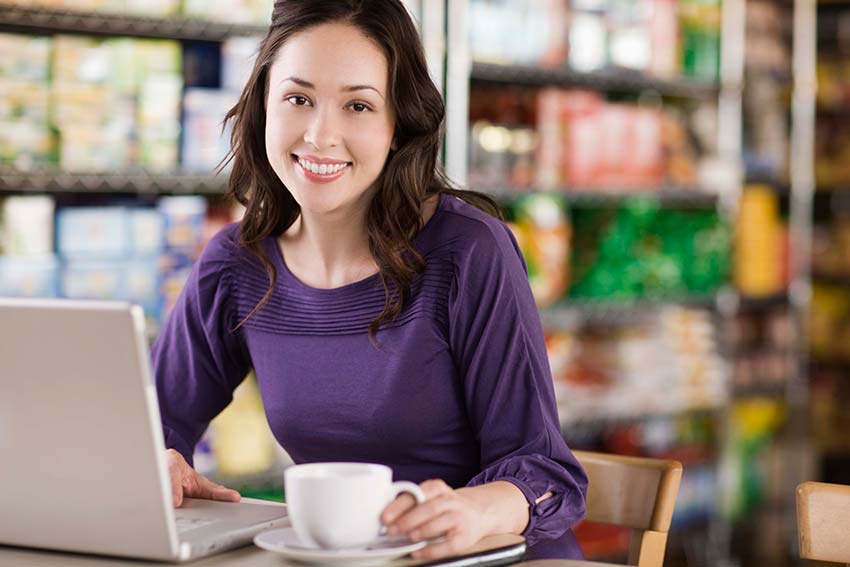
{"type": "Point", "coordinates": [450, 546]}
{"type": "Point", "coordinates": [205, 488]}
{"type": "Point", "coordinates": [434, 527]}
{"type": "Point", "coordinates": [187, 483]}
{"type": "Point", "coordinates": [404, 503]}
{"type": "Point", "coordinates": [175, 462]}
{"type": "Point", "coordinates": [395, 509]}
{"type": "Point", "coordinates": [422, 513]}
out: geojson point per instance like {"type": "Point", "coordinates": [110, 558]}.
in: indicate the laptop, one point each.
{"type": "Point", "coordinates": [82, 456]}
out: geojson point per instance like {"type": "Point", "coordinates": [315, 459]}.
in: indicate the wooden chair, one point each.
{"type": "Point", "coordinates": [633, 492]}
{"type": "Point", "coordinates": [823, 521]}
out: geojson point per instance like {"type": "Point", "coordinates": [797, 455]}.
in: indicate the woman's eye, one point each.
{"type": "Point", "coordinates": [298, 100]}
{"type": "Point", "coordinates": [359, 107]}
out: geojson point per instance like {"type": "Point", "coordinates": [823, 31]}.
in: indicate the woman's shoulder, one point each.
{"type": "Point", "coordinates": [224, 250]}
{"type": "Point", "coordinates": [466, 229]}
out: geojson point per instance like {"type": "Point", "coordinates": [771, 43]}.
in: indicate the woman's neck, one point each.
{"type": "Point", "coordinates": [330, 251]}
{"type": "Point", "coordinates": [327, 252]}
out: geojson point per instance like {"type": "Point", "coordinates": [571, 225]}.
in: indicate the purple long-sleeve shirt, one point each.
{"type": "Point", "coordinates": [459, 387]}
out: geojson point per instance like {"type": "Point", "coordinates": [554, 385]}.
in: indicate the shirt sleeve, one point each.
{"type": "Point", "coordinates": [198, 359]}
{"type": "Point", "coordinates": [497, 341]}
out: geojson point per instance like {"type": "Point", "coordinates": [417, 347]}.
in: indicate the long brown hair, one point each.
{"type": "Point", "coordinates": [411, 173]}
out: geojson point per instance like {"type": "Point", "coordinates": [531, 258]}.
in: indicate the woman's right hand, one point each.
{"type": "Point", "coordinates": [186, 483]}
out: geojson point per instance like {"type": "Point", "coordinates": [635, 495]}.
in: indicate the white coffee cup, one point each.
{"type": "Point", "coordinates": [339, 505]}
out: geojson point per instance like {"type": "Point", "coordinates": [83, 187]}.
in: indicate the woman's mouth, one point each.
{"type": "Point", "coordinates": [321, 172]}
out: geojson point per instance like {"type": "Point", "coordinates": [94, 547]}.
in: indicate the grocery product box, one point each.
{"type": "Point", "coordinates": [204, 143]}
{"type": "Point", "coordinates": [26, 225]}
{"type": "Point", "coordinates": [237, 61]}
{"type": "Point", "coordinates": [93, 232]}
{"type": "Point", "coordinates": [26, 276]}
{"type": "Point", "coordinates": [25, 57]}
{"type": "Point", "coordinates": [183, 218]}
{"type": "Point", "coordinates": [109, 232]}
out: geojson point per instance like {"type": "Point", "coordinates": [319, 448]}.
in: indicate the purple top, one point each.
{"type": "Point", "coordinates": [459, 388]}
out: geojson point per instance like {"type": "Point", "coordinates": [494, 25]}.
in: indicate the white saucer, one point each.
{"type": "Point", "coordinates": [286, 542]}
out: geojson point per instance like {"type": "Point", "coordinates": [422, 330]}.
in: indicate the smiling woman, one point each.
{"type": "Point", "coordinates": [327, 110]}
{"type": "Point", "coordinates": [387, 316]}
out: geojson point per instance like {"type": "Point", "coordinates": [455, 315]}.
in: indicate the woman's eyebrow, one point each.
{"type": "Point", "coordinates": [348, 88]}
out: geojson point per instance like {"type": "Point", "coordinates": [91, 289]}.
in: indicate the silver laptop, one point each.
{"type": "Point", "coordinates": [82, 464]}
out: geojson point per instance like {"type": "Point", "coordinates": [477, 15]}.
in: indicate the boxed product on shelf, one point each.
{"type": "Point", "coordinates": [29, 276]}
{"type": "Point", "coordinates": [152, 8]}
{"type": "Point", "coordinates": [111, 232]}
{"type": "Point", "coordinates": [640, 251]}
{"type": "Point", "coordinates": [160, 85]}
{"type": "Point", "coordinates": [586, 142]}
{"type": "Point", "coordinates": [183, 218]}
{"type": "Point", "coordinates": [205, 145]}
{"type": "Point", "coordinates": [93, 279]}
{"type": "Point", "coordinates": [759, 249]}
{"type": "Point", "coordinates": [669, 364]}
{"type": "Point", "coordinates": [518, 31]}
{"type": "Point", "coordinates": [237, 61]}
{"type": "Point", "coordinates": [501, 155]}
{"type": "Point", "coordinates": [25, 57]}
{"type": "Point", "coordinates": [116, 103]}
{"type": "Point", "coordinates": [230, 11]}
{"type": "Point", "coordinates": [542, 229]}
{"type": "Point", "coordinates": [588, 41]}
{"type": "Point", "coordinates": [24, 70]}
{"type": "Point", "coordinates": [26, 225]}
{"type": "Point", "coordinates": [699, 22]}
{"type": "Point", "coordinates": [93, 232]}
{"type": "Point", "coordinates": [92, 119]}
{"type": "Point", "coordinates": [134, 280]}
{"type": "Point", "coordinates": [829, 323]}
{"type": "Point", "coordinates": [147, 232]}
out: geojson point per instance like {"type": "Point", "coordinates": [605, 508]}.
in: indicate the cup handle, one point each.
{"type": "Point", "coordinates": [411, 488]}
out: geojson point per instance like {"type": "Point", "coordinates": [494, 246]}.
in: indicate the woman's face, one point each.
{"type": "Point", "coordinates": [329, 124]}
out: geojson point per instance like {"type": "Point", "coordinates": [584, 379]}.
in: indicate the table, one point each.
{"type": "Point", "coordinates": [245, 556]}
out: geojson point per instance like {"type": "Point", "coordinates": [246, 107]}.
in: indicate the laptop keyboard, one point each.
{"type": "Point", "coordinates": [185, 524]}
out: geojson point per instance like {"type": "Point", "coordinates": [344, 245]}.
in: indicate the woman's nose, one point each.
{"type": "Point", "coordinates": [323, 130]}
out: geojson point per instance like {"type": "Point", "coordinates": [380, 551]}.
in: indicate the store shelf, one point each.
{"type": "Point", "coordinates": [666, 197]}
{"type": "Point", "coordinates": [830, 364]}
{"type": "Point", "coordinates": [39, 20]}
{"type": "Point", "coordinates": [760, 303]}
{"type": "Point", "coordinates": [767, 390]}
{"type": "Point", "coordinates": [581, 425]}
{"type": "Point", "coordinates": [620, 81]}
{"type": "Point", "coordinates": [569, 313]}
{"type": "Point", "coordinates": [135, 182]}
{"type": "Point", "coordinates": [831, 279]}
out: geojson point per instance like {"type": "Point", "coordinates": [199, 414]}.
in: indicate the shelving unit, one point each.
{"type": "Point", "coordinates": [610, 81]}
{"type": "Point", "coordinates": [140, 182]}
{"type": "Point", "coordinates": [674, 197]}
{"type": "Point", "coordinates": [19, 18]}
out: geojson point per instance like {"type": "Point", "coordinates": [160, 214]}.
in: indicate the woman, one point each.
{"type": "Point", "coordinates": [388, 317]}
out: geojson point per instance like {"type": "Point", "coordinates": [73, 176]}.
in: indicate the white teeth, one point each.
{"type": "Point", "coordinates": [321, 169]}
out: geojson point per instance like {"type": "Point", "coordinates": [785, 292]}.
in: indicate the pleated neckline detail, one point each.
{"type": "Point", "coordinates": [297, 308]}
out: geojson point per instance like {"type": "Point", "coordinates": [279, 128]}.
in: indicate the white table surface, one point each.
{"type": "Point", "coordinates": [250, 556]}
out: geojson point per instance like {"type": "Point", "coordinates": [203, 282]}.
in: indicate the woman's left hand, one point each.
{"type": "Point", "coordinates": [454, 514]}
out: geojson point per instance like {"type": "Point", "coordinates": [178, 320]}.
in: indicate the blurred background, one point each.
{"type": "Point", "coordinates": [677, 173]}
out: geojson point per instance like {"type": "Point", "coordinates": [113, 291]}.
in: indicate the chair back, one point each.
{"type": "Point", "coordinates": [823, 521]}
{"type": "Point", "coordinates": [633, 492]}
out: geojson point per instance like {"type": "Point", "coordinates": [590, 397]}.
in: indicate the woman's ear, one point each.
{"type": "Point", "coordinates": [394, 144]}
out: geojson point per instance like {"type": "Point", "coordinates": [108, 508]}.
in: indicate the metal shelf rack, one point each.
{"type": "Point", "coordinates": [132, 182]}
{"type": "Point", "coordinates": [19, 18]}
{"type": "Point", "coordinates": [621, 80]}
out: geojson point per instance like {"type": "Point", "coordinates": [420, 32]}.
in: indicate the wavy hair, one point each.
{"type": "Point", "coordinates": [410, 175]}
